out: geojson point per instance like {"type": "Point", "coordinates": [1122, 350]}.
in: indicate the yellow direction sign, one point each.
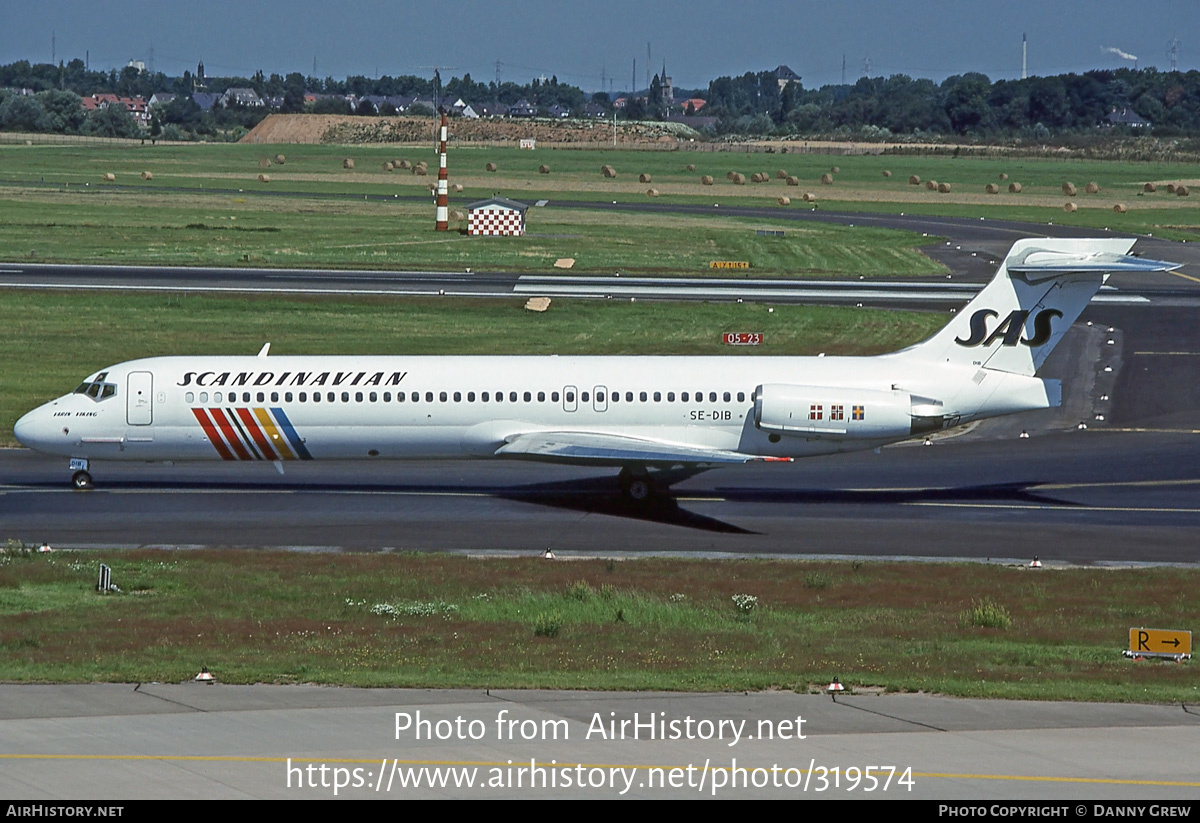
{"type": "Point", "coordinates": [1168, 642]}
{"type": "Point", "coordinates": [729, 264]}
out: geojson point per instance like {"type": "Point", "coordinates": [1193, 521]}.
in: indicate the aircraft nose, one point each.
{"type": "Point", "coordinates": [23, 430]}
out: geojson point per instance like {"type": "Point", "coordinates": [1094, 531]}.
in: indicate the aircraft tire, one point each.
{"type": "Point", "coordinates": [82, 480]}
{"type": "Point", "coordinates": [639, 490]}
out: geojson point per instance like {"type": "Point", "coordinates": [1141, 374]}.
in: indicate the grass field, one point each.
{"type": "Point", "coordinates": [68, 336]}
{"type": "Point", "coordinates": [205, 205]}
{"type": "Point", "coordinates": [449, 621]}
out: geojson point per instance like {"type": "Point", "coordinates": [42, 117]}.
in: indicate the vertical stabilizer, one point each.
{"type": "Point", "coordinates": [1018, 318]}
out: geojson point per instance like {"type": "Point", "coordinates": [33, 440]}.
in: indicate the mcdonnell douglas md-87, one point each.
{"type": "Point", "coordinates": [635, 413]}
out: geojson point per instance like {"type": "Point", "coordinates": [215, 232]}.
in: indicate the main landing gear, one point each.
{"type": "Point", "coordinates": [81, 479]}
{"type": "Point", "coordinates": [636, 485]}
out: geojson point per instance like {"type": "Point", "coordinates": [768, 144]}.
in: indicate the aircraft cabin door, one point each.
{"type": "Point", "coordinates": [600, 399]}
{"type": "Point", "coordinates": [139, 407]}
{"type": "Point", "coordinates": [570, 398]}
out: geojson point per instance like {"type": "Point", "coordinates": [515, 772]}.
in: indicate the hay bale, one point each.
{"type": "Point", "coordinates": [1003, 176]}
{"type": "Point", "coordinates": [564, 263]}
{"type": "Point", "coordinates": [944, 188]}
{"type": "Point", "coordinates": [784, 201]}
{"type": "Point", "coordinates": [1171, 188]}
{"type": "Point", "coordinates": [793, 181]}
{"type": "Point", "coordinates": [691, 166]}
{"type": "Point", "coordinates": [643, 178]}
{"type": "Point", "coordinates": [403, 164]}
{"type": "Point", "coordinates": [809, 197]}
{"type": "Point", "coordinates": [348, 163]}
{"type": "Point", "coordinates": [608, 171]}
{"type": "Point", "coordinates": [1069, 189]}
{"type": "Point", "coordinates": [706, 180]}
{"type": "Point", "coordinates": [147, 175]}
{"type": "Point", "coordinates": [1182, 190]}
{"type": "Point", "coordinates": [1069, 207]}
{"type": "Point", "coordinates": [836, 170]}
{"type": "Point", "coordinates": [490, 167]}
{"type": "Point", "coordinates": [992, 188]}
{"type": "Point", "coordinates": [264, 178]}
{"type": "Point", "coordinates": [1092, 188]}
{"type": "Point", "coordinates": [457, 187]}
{"type": "Point", "coordinates": [887, 173]}
{"type": "Point", "coordinates": [420, 171]}
{"type": "Point", "coordinates": [543, 169]}
{"type": "Point", "coordinates": [781, 175]}
{"type": "Point", "coordinates": [1119, 208]}
{"type": "Point", "coordinates": [652, 192]}
{"type": "Point", "coordinates": [537, 303]}
{"type": "Point", "coordinates": [457, 215]}
{"type": "Point", "coordinates": [729, 175]}
{"type": "Point", "coordinates": [931, 185]}
{"type": "Point", "coordinates": [264, 163]}
{"type": "Point", "coordinates": [914, 181]}
{"type": "Point", "coordinates": [739, 179]}
{"type": "Point", "coordinates": [389, 165]}
{"type": "Point", "coordinates": [280, 159]}
{"type": "Point", "coordinates": [1150, 187]}
{"type": "Point", "coordinates": [1014, 188]}
{"type": "Point", "coordinates": [826, 179]}
{"type": "Point", "coordinates": [109, 177]}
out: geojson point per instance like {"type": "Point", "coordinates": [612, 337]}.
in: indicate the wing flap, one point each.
{"type": "Point", "coordinates": [600, 449]}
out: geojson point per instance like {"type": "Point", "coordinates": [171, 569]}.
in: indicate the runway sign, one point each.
{"type": "Point", "coordinates": [1164, 642]}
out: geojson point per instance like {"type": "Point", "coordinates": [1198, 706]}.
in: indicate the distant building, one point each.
{"type": "Point", "coordinates": [136, 106]}
{"type": "Point", "coordinates": [784, 75]}
{"type": "Point", "coordinates": [1126, 117]}
{"type": "Point", "coordinates": [241, 97]}
{"type": "Point", "coordinates": [522, 108]}
{"type": "Point", "coordinates": [496, 217]}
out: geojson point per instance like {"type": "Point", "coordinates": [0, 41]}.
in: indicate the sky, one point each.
{"type": "Point", "coordinates": [583, 41]}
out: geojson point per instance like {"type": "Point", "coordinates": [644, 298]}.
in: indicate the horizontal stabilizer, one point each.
{"type": "Point", "coordinates": [601, 449]}
{"type": "Point", "coordinates": [1053, 263]}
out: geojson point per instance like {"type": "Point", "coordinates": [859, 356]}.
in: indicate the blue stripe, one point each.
{"type": "Point", "coordinates": [290, 431]}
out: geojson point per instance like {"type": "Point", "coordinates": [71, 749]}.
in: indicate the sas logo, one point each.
{"type": "Point", "coordinates": [1009, 329]}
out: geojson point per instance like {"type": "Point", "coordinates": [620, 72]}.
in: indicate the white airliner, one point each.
{"type": "Point", "coordinates": [636, 413]}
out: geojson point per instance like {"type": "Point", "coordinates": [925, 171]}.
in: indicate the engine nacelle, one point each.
{"type": "Point", "coordinates": [846, 414]}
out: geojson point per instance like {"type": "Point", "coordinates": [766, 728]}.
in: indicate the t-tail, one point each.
{"type": "Point", "coordinates": [1042, 286]}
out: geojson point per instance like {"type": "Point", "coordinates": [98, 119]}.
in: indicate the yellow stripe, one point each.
{"type": "Point", "coordinates": [276, 437]}
{"type": "Point", "coordinates": [1187, 276]}
{"type": "Point", "coordinates": [1040, 778]}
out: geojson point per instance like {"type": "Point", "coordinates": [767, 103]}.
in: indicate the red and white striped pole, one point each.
{"type": "Point", "coordinates": [443, 185]}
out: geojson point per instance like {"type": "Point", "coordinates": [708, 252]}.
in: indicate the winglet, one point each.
{"type": "Point", "coordinates": [263, 351]}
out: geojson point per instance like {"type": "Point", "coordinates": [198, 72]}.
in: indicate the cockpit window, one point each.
{"type": "Point", "coordinates": [97, 389]}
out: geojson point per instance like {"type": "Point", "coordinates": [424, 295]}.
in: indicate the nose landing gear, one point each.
{"type": "Point", "coordinates": [81, 479]}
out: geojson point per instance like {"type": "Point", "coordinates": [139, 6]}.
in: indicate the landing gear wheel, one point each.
{"type": "Point", "coordinates": [636, 485]}
{"type": "Point", "coordinates": [638, 490]}
{"type": "Point", "coordinates": [81, 480]}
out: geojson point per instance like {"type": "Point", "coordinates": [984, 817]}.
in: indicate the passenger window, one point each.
{"type": "Point", "coordinates": [554, 396]}
{"type": "Point", "coordinates": [741, 397]}
{"type": "Point", "coordinates": [374, 398]}
{"type": "Point", "coordinates": [512, 397]}
{"type": "Point", "coordinates": [442, 396]}
{"type": "Point", "coordinates": [628, 397]}
{"type": "Point", "coordinates": [658, 397]}
{"type": "Point", "coordinates": [458, 397]}
{"type": "Point", "coordinates": [727, 397]}
{"type": "Point", "coordinates": [583, 396]}
{"type": "Point", "coordinates": [599, 397]}
{"type": "Point", "coordinates": [570, 397]}
{"type": "Point", "coordinates": [260, 397]}
{"type": "Point", "coordinates": [642, 397]}
{"type": "Point", "coordinates": [470, 397]}
{"type": "Point", "coordinates": [541, 397]}
{"type": "Point", "coordinates": [528, 397]}
{"type": "Point", "coordinates": [712, 397]}
{"type": "Point", "coordinates": [416, 396]}
{"type": "Point", "coordinates": [615, 396]}
{"type": "Point", "coordinates": [499, 397]}
{"type": "Point", "coordinates": [684, 397]}
{"type": "Point", "coordinates": [274, 397]}
{"type": "Point", "coordinates": [203, 397]}
{"type": "Point", "coordinates": [358, 397]}
{"type": "Point", "coordinates": [387, 397]}
{"type": "Point", "coordinates": [189, 398]}
{"type": "Point", "coordinates": [670, 397]}
{"type": "Point", "coordinates": [316, 397]}
{"type": "Point", "coordinates": [303, 397]}
{"type": "Point", "coordinates": [330, 396]}
{"type": "Point", "coordinates": [485, 397]}
{"type": "Point", "coordinates": [428, 397]}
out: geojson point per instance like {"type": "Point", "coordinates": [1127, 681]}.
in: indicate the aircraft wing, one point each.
{"type": "Point", "coordinates": [599, 449]}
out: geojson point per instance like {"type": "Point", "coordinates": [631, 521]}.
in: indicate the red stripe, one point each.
{"type": "Point", "coordinates": [231, 435]}
{"type": "Point", "coordinates": [211, 434]}
{"type": "Point", "coordinates": [264, 445]}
